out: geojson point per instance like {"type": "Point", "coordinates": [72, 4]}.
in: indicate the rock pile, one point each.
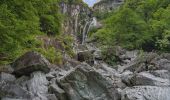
{"type": "Point", "coordinates": [144, 77]}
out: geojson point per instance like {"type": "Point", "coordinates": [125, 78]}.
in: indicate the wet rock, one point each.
{"type": "Point", "coordinates": [30, 62]}
{"type": "Point", "coordinates": [145, 78]}
{"type": "Point", "coordinates": [84, 83]}
{"type": "Point", "coordinates": [146, 93]}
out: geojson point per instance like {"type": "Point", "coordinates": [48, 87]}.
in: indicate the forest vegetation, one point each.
{"type": "Point", "coordinates": [24, 22]}
{"type": "Point", "coordinates": [138, 24]}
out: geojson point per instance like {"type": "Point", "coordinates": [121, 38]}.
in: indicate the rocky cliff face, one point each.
{"type": "Point", "coordinates": [77, 18]}
{"type": "Point", "coordinates": [107, 5]}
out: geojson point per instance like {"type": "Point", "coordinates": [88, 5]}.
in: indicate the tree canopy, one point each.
{"type": "Point", "coordinates": [22, 20]}
{"type": "Point", "coordinates": [138, 24]}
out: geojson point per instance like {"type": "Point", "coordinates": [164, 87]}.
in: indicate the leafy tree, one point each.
{"type": "Point", "coordinates": [138, 24]}
{"type": "Point", "coordinates": [21, 21]}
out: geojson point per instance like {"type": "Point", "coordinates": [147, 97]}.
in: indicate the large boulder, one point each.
{"type": "Point", "coordinates": [13, 91]}
{"type": "Point", "coordinates": [141, 63]}
{"type": "Point", "coordinates": [161, 63]}
{"type": "Point", "coordinates": [38, 85]}
{"type": "Point", "coordinates": [146, 93]}
{"type": "Point", "coordinates": [52, 97]}
{"type": "Point", "coordinates": [9, 89]}
{"type": "Point", "coordinates": [84, 83]}
{"type": "Point", "coordinates": [161, 73]}
{"type": "Point", "coordinates": [110, 75]}
{"type": "Point", "coordinates": [126, 77]}
{"type": "Point", "coordinates": [55, 89]}
{"type": "Point", "coordinates": [7, 77]}
{"type": "Point", "coordinates": [145, 78]}
{"type": "Point", "coordinates": [86, 56]}
{"type": "Point", "coordinates": [30, 62]}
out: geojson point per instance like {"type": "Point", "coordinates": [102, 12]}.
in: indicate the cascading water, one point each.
{"type": "Point", "coordinates": [84, 32]}
{"type": "Point", "coordinates": [87, 28]}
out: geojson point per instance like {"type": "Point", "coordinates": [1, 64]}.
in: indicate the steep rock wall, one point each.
{"type": "Point", "coordinates": [77, 16]}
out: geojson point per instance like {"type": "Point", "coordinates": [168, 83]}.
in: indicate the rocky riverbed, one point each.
{"type": "Point", "coordinates": [32, 77]}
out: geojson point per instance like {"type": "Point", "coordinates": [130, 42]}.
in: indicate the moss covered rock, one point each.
{"type": "Point", "coordinates": [30, 62]}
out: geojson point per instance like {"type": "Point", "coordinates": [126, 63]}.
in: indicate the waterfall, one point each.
{"type": "Point", "coordinates": [84, 32]}
{"type": "Point", "coordinates": [86, 29]}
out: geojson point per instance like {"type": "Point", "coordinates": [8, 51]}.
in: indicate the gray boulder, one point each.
{"type": "Point", "coordinates": [141, 63]}
{"type": "Point", "coordinates": [9, 89]}
{"type": "Point", "coordinates": [52, 97]}
{"type": "Point", "coordinates": [165, 56]}
{"type": "Point", "coordinates": [146, 93]}
{"type": "Point", "coordinates": [30, 62]}
{"type": "Point", "coordinates": [84, 83]}
{"type": "Point", "coordinates": [12, 99]}
{"type": "Point", "coordinates": [7, 77]}
{"type": "Point", "coordinates": [12, 90]}
{"type": "Point", "coordinates": [110, 75]}
{"type": "Point", "coordinates": [161, 73]}
{"type": "Point", "coordinates": [55, 89]}
{"type": "Point", "coordinates": [126, 77]}
{"type": "Point", "coordinates": [145, 78]}
{"type": "Point", "coordinates": [161, 63]}
{"type": "Point", "coordinates": [38, 85]}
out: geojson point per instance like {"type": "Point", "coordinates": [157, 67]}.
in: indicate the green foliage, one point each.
{"type": "Point", "coordinates": [164, 43]}
{"type": "Point", "coordinates": [138, 24]}
{"type": "Point", "coordinates": [67, 44]}
{"type": "Point", "coordinates": [50, 24]}
{"type": "Point", "coordinates": [53, 55]}
{"type": "Point", "coordinates": [21, 21]}
{"type": "Point", "coordinates": [108, 55]}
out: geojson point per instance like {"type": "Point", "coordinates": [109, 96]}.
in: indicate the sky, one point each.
{"type": "Point", "coordinates": [90, 2]}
